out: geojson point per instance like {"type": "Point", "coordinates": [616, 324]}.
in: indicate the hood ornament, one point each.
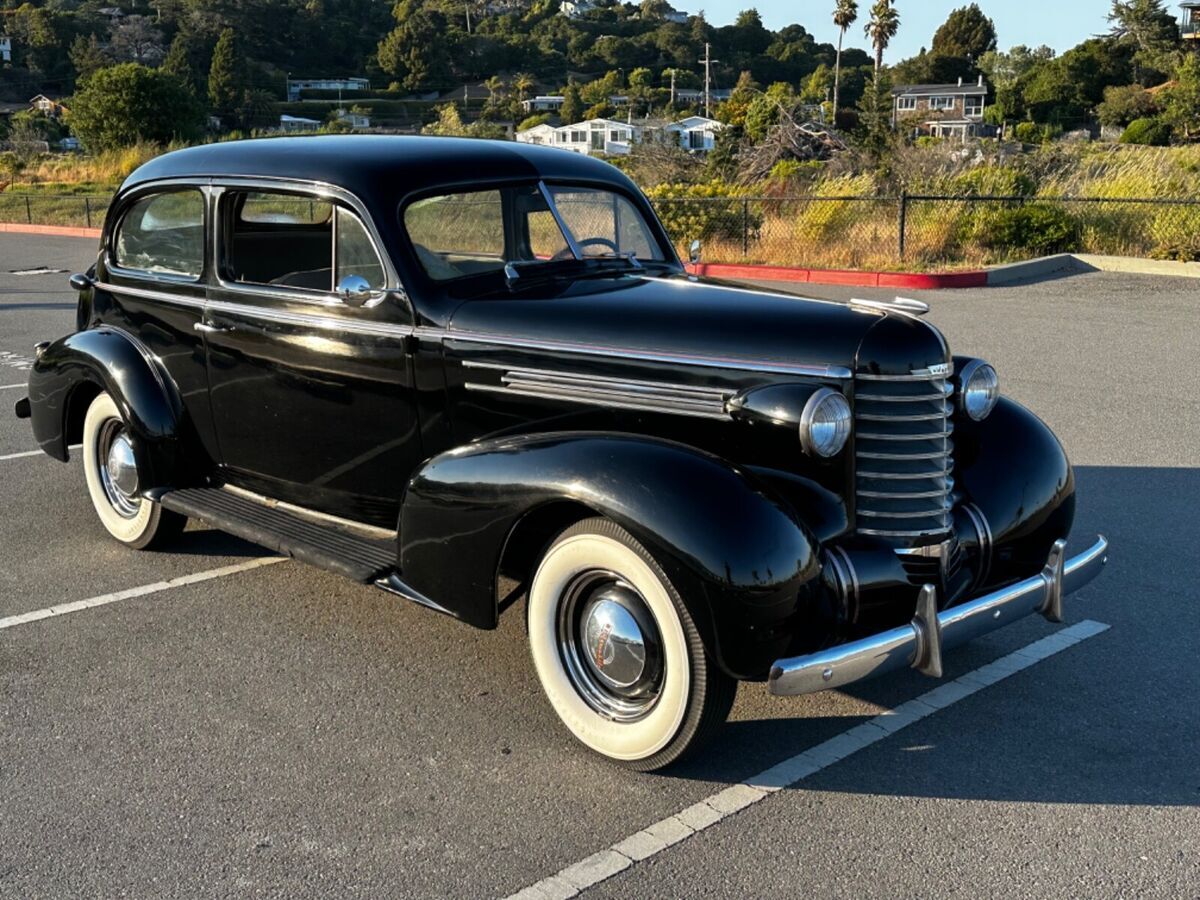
{"type": "Point", "coordinates": [900, 305]}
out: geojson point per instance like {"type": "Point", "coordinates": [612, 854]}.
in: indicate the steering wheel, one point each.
{"type": "Point", "coordinates": [565, 252]}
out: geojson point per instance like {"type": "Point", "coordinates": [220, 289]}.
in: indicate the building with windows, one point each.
{"type": "Point", "coordinates": [610, 137]}
{"type": "Point", "coordinates": [1189, 21]}
{"type": "Point", "coordinates": [696, 132]}
{"type": "Point", "coordinates": [942, 110]}
{"type": "Point", "coordinates": [296, 85]}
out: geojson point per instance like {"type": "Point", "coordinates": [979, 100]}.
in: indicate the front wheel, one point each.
{"type": "Point", "coordinates": [617, 652]}
{"type": "Point", "coordinates": [110, 467]}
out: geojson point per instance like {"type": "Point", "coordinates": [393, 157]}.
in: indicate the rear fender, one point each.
{"type": "Point", "coordinates": [741, 558]}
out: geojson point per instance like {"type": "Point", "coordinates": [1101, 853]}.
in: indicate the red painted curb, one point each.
{"type": "Point", "coordinates": [917, 281]}
{"type": "Point", "coordinates": [60, 230]}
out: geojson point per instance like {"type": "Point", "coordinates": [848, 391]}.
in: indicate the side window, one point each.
{"type": "Point", "coordinates": [163, 234]}
{"type": "Point", "coordinates": [354, 253]}
{"type": "Point", "coordinates": [457, 234]}
{"type": "Point", "coordinates": [295, 241]}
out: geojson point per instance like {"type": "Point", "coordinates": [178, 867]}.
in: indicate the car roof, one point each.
{"type": "Point", "coordinates": [370, 165]}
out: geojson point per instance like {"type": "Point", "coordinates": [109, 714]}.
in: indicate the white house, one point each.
{"type": "Point", "coordinates": [5, 48]}
{"type": "Point", "coordinates": [576, 9]}
{"type": "Point", "coordinates": [543, 103]}
{"type": "Point", "coordinates": [296, 85]}
{"type": "Point", "coordinates": [539, 134]}
{"type": "Point", "coordinates": [295, 124]}
{"type": "Point", "coordinates": [50, 107]}
{"type": "Point", "coordinates": [353, 119]}
{"type": "Point", "coordinates": [696, 132]}
{"type": "Point", "coordinates": [594, 136]}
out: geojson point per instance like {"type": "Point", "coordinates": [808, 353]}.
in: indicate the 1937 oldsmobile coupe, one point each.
{"type": "Point", "coordinates": [433, 364]}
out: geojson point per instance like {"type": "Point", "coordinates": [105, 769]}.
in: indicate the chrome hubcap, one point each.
{"type": "Point", "coordinates": [610, 646]}
{"type": "Point", "coordinates": [118, 469]}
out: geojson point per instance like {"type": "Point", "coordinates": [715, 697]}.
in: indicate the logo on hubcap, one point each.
{"type": "Point", "coordinates": [604, 652]}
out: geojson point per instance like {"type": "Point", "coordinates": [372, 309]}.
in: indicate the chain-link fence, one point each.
{"type": "Point", "coordinates": [906, 232]}
{"type": "Point", "coordinates": [924, 232]}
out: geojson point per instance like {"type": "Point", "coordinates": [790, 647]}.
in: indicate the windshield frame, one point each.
{"type": "Point", "coordinates": [654, 227]}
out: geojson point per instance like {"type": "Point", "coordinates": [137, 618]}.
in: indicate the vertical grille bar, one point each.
{"type": "Point", "coordinates": [904, 456]}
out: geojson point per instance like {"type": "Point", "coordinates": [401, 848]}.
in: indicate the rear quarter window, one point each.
{"type": "Point", "coordinates": [163, 234]}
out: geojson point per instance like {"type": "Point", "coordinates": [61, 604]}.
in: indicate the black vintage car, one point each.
{"type": "Point", "coordinates": [442, 366]}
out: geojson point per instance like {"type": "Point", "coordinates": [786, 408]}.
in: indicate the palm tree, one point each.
{"type": "Point", "coordinates": [845, 14]}
{"type": "Point", "coordinates": [523, 83]}
{"type": "Point", "coordinates": [494, 85]}
{"type": "Point", "coordinates": [884, 24]}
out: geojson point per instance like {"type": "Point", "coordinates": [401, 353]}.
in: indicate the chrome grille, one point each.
{"type": "Point", "coordinates": [904, 456]}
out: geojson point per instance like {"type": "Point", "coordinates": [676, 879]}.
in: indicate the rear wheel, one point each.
{"type": "Point", "coordinates": [617, 652]}
{"type": "Point", "coordinates": [110, 467]}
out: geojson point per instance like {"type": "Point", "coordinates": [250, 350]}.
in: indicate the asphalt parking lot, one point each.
{"type": "Point", "coordinates": [274, 730]}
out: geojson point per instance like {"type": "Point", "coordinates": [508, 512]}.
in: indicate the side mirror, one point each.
{"type": "Point", "coordinates": [81, 282]}
{"type": "Point", "coordinates": [354, 290]}
{"type": "Point", "coordinates": [694, 252]}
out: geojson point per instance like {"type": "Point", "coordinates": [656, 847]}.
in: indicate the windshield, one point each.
{"type": "Point", "coordinates": [463, 233]}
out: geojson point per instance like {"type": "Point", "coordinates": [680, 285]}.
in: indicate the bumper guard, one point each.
{"type": "Point", "coordinates": [919, 645]}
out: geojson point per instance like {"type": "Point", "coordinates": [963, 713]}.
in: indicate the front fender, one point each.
{"type": "Point", "coordinates": [1015, 470]}
{"type": "Point", "coordinates": [111, 360]}
{"type": "Point", "coordinates": [740, 557]}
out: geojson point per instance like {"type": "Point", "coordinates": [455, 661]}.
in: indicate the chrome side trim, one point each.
{"type": "Point", "coordinates": [285, 317]}
{"type": "Point", "coordinates": [599, 350]}
{"type": "Point", "coordinates": [920, 643]}
{"type": "Point", "coordinates": [558, 220]}
{"type": "Point", "coordinates": [619, 393]}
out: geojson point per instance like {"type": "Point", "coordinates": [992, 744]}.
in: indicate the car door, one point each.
{"type": "Point", "coordinates": [312, 393]}
{"type": "Point", "coordinates": [151, 284]}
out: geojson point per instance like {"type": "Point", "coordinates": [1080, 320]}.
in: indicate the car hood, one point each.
{"type": "Point", "coordinates": [698, 320]}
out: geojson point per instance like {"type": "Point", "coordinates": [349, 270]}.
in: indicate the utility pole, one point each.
{"type": "Point", "coordinates": [708, 61]}
{"type": "Point", "coordinates": [672, 88]}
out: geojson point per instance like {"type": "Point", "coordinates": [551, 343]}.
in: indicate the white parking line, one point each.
{"type": "Point", "coordinates": [10, 387]}
{"type": "Point", "coordinates": [708, 812]}
{"type": "Point", "coordinates": [63, 609]}
{"type": "Point", "coordinates": [25, 454]}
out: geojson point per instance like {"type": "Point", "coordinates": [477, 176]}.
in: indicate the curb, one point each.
{"type": "Point", "coordinates": [918, 281]}
{"type": "Point", "coordinates": [59, 230]}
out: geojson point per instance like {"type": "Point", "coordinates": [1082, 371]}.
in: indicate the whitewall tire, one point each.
{"type": "Point", "coordinates": [617, 652]}
{"type": "Point", "coordinates": [110, 469]}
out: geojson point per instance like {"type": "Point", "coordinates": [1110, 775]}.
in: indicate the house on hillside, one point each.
{"type": "Point", "coordinates": [543, 103]}
{"type": "Point", "coordinates": [696, 133]}
{"type": "Point", "coordinates": [539, 134]}
{"type": "Point", "coordinates": [1189, 22]}
{"type": "Point", "coordinates": [593, 137]}
{"type": "Point", "coordinates": [354, 119]}
{"type": "Point", "coordinates": [5, 48]}
{"type": "Point", "coordinates": [297, 124]}
{"type": "Point", "coordinates": [47, 105]}
{"type": "Point", "coordinates": [297, 85]}
{"type": "Point", "coordinates": [942, 110]}
{"type": "Point", "coordinates": [576, 9]}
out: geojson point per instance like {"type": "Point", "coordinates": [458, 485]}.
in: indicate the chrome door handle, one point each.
{"type": "Point", "coordinates": [205, 328]}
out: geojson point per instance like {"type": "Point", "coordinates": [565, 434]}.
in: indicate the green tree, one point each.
{"type": "Point", "coordinates": [178, 61]}
{"type": "Point", "coordinates": [226, 78]}
{"type": "Point", "coordinates": [571, 110]}
{"type": "Point", "coordinates": [875, 117]}
{"type": "Point", "coordinates": [448, 124]}
{"type": "Point", "coordinates": [1148, 29]}
{"type": "Point", "coordinates": [845, 14]}
{"type": "Point", "coordinates": [88, 57]}
{"type": "Point", "coordinates": [124, 104]}
{"type": "Point", "coordinates": [418, 50]}
{"type": "Point", "coordinates": [882, 27]}
{"type": "Point", "coordinates": [523, 83]}
{"type": "Point", "coordinates": [1124, 103]}
{"type": "Point", "coordinates": [1183, 99]}
{"type": "Point", "coordinates": [967, 33]}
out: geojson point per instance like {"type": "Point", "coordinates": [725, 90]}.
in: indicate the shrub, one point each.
{"type": "Point", "coordinates": [1148, 132]}
{"type": "Point", "coordinates": [534, 121]}
{"type": "Point", "coordinates": [994, 181]}
{"type": "Point", "coordinates": [1037, 227]}
{"type": "Point", "coordinates": [706, 211]}
{"type": "Point", "coordinates": [1028, 132]}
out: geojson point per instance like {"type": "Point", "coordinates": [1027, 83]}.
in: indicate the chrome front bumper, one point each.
{"type": "Point", "coordinates": [919, 645]}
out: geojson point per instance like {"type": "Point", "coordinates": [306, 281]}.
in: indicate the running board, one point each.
{"type": "Point", "coordinates": [326, 545]}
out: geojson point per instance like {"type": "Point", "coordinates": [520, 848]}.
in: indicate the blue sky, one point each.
{"type": "Point", "coordinates": [1060, 23]}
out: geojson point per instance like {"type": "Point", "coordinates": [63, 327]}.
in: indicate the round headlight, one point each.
{"type": "Point", "coordinates": [980, 389]}
{"type": "Point", "coordinates": [825, 423]}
